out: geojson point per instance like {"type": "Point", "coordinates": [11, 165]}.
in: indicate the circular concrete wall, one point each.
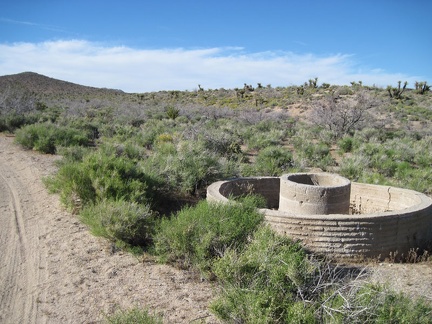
{"type": "Point", "coordinates": [314, 194]}
{"type": "Point", "coordinates": [382, 219]}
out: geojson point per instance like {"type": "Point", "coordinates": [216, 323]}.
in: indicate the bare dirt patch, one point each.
{"type": "Point", "coordinates": [52, 270]}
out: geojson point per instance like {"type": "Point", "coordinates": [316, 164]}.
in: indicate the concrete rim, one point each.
{"type": "Point", "coordinates": [406, 225]}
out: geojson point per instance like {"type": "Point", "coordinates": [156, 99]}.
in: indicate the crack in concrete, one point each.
{"type": "Point", "coordinates": [389, 199]}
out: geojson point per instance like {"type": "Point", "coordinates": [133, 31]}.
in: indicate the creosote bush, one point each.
{"type": "Point", "coordinates": [103, 174]}
{"type": "Point", "coordinates": [271, 161]}
{"type": "Point", "coordinates": [262, 282]}
{"type": "Point", "coordinates": [47, 137]}
{"type": "Point", "coordinates": [198, 235]}
{"type": "Point", "coordinates": [119, 220]}
{"type": "Point", "coordinates": [273, 280]}
{"type": "Point", "coordinates": [186, 167]}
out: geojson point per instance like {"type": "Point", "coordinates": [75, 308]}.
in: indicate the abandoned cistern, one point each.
{"type": "Point", "coordinates": [332, 215]}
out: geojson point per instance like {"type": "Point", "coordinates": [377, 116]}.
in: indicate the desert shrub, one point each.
{"type": "Point", "coordinates": [187, 167]}
{"type": "Point", "coordinates": [262, 282]}
{"type": "Point", "coordinates": [133, 316]}
{"type": "Point", "coordinates": [117, 177]}
{"type": "Point", "coordinates": [372, 303]}
{"type": "Point", "coordinates": [223, 142]}
{"type": "Point", "coordinates": [102, 175]}
{"type": "Point", "coordinates": [172, 112]}
{"type": "Point", "coordinates": [73, 184]}
{"type": "Point", "coordinates": [72, 153]}
{"type": "Point", "coordinates": [164, 138]}
{"type": "Point", "coordinates": [47, 137]}
{"type": "Point", "coordinates": [353, 167]}
{"type": "Point", "coordinates": [12, 121]}
{"type": "Point", "coordinates": [119, 131]}
{"type": "Point", "coordinates": [198, 235]}
{"type": "Point", "coordinates": [343, 116]}
{"type": "Point", "coordinates": [271, 161]}
{"type": "Point", "coordinates": [259, 140]}
{"type": "Point", "coordinates": [149, 132]}
{"type": "Point", "coordinates": [399, 160]}
{"type": "Point", "coordinates": [346, 144]}
{"type": "Point", "coordinates": [119, 220]}
{"type": "Point", "coordinates": [90, 128]}
{"type": "Point", "coordinates": [311, 154]}
{"type": "Point", "coordinates": [273, 280]}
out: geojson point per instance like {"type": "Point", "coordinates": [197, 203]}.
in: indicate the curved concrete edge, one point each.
{"type": "Point", "coordinates": [213, 193]}
{"type": "Point", "coordinates": [403, 222]}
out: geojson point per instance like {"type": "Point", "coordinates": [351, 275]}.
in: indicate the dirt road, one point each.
{"type": "Point", "coordinates": [52, 270]}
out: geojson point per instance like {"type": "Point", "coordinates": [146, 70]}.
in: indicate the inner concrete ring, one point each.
{"type": "Point", "coordinates": [382, 221]}
{"type": "Point", "coordinates": [314, 193]}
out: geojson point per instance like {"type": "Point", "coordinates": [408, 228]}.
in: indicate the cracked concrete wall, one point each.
{"type": "Point", "coordinates": [390, 220]}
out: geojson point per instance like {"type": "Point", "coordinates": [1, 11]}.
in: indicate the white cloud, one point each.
{"type": "Point", "coordinates": [137, 70]}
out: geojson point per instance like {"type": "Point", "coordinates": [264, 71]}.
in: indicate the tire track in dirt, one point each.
{"type": "Point", "coordinates": [19, 265]}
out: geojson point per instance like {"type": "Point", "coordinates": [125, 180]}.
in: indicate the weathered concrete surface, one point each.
{"type": "Point", "coordinates": [383, 219]}
{"type": "Point", "coordinates": [314, 194]}
{"type": "Point", "coordinates": [268, 187]}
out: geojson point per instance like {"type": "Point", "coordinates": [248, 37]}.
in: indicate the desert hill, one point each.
{"type": "Point", "coordinates": [41, 84]}
{"type": "Point", "coordinates": [21, 93]}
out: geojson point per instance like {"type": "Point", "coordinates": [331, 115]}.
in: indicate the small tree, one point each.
{"type": "Point", "coordinates": [172, 112]}
{"type": "Point", "coordinates": [342, 116]}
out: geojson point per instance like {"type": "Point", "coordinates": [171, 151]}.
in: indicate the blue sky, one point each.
{"type": "Point", "coordinates": [140, 46]}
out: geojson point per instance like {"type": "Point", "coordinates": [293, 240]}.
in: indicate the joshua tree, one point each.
{"type": "Point", "coordinates": [300, 90]}
{"type": "Point", "coordinates": [397, 92]}
{"type": "Point", "coordinates": [239, 92]}
{"type": "Point", "coordinates": [422, 87]}
{"type": "Point", "coordinates": [248, 87]}
{"type": "Point", "coordinates": [313, 83]}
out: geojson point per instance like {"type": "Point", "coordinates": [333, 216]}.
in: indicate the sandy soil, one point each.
{"type": "Point", "coordinates": [52, 270]}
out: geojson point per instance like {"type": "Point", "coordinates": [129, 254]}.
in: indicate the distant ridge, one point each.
{"type": "Point", "coordinates": [43, 85]}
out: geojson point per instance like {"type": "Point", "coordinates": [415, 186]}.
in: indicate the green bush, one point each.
{"type": "Point", "coordinates": [372, 303]}
{"type": "Point", "coordinates": [172, 112]}
{"type": "Point", "coordinates": [198, 235]}
{"type": "Point", "coordinates": [353, 167]}
{"type": "Point", "coordinates": [224, 143]}
{"type": "Point", "coordinates": [262, 283]}
{"type": "Point", "coordinates": [272, 161]}
{"type": "Point", "coordinates": [257, 140]}
{"type": "Point", "coordinates": [73, 184]}
{"type": "Point", "coordinates": [72, 154]}
{"type": "Point", "coordinates": [12, 121]}
{"type": "Point", "coordinates": [186, 168]}
{"type": "Point", "coordinates": [120, 220]}
{"type": "Point", "coordinates": [311, 154]}
{"type": "Point", "coordinates": [346, 144]}
{"type": "Point", "coordinates": [134, 316]}
{"type": "Point", "coordinates": [47, 137]}
{"type": "Point", "coordinates": [273, 280]}
{"type": "Point", "coordinates": [102, 175]}
{"type": "Point", "coordinates": [117, 177]}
